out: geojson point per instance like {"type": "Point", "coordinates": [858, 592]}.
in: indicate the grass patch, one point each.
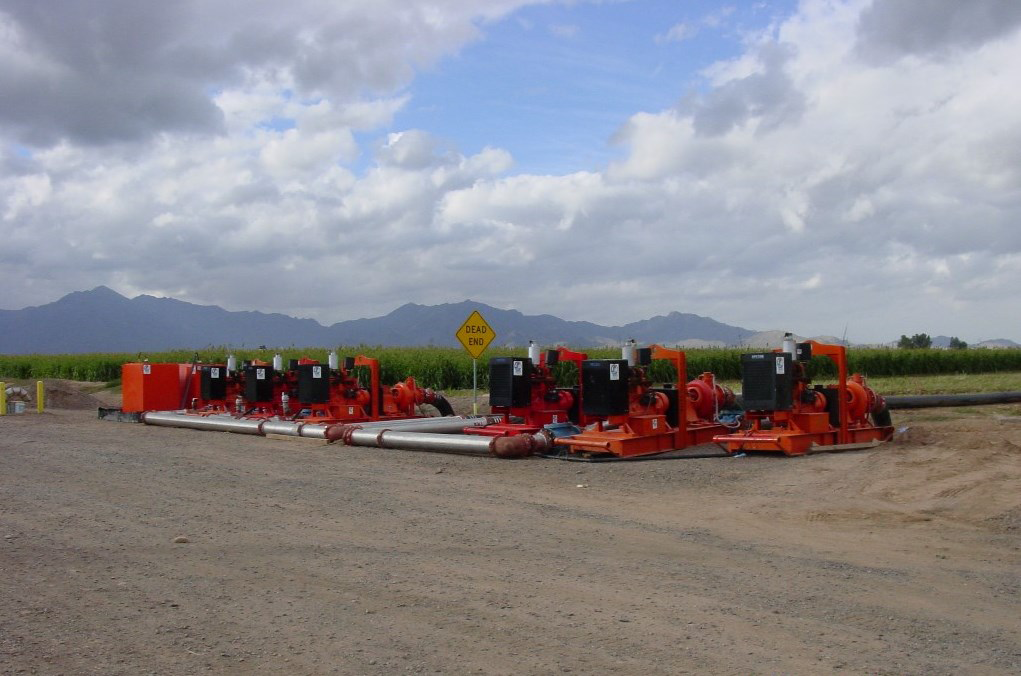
{"type": "Point", "coordinates": [947, 383]}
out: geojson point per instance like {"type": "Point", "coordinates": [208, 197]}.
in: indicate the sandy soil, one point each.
{"type": "Point", "coordinates": [307, 558]}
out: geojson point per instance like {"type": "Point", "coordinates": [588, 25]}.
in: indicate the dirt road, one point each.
{"type": "Point", "coordinates": [308, 558]}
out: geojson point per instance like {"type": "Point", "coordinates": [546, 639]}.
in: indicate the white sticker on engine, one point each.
{"type": "Point", "coordinates": [614, 371]}
{"type": "Point", "coordinates": [779, 365]}
{"type": "Point", "coordinates": [317, 371]}
{"type": "Point", "coordinates": [214, 372]}
{"type": "Point", "coordinates": [260, 374]}
{"type": "Point", "coordinates": [146, 369]}
{"type": "Point", "coordinates": [519, 368]}
{"type": "Point", "coordinates": [655, 423]}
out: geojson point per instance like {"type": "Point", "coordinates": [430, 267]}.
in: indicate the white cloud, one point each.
{"type": "Point", "coordinates": [830, 173]}
{"type": "Point", "coordinates": [679, 32]}
{"type": "Point", "coordinates": [295, 152]}
{"type": "Point", "coordinates": [26, 192]}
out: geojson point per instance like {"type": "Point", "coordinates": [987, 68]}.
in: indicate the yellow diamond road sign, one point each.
{"type": "Point", "coordinates": [475, 334]}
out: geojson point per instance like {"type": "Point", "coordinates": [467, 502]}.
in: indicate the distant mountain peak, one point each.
{"type": "Point", "coordinates": [98, 296]}
{"type": "Point", "coordinates": [106, 321]}
{"type": "Point", "coordinates": [100, 291]}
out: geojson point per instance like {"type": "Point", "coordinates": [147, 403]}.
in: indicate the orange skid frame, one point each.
{"type": "Point", "coordinates": [645, 429]}
{"type": "Point", "coordinates": [804, 428]}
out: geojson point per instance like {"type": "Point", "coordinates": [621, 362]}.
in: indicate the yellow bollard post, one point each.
{"type": "Point", "coordinates": [3, 398]}
{"type": "Point", "coordinates": [39, 393]}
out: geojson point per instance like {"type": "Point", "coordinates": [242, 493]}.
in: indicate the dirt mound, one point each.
{"type": "Point", "coordinates": [68, 395]}
{"type": "Point", "coordinates": [965, 469]}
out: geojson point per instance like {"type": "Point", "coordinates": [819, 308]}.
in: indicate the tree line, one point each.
{"type": "Point", "coordinates": [924, 341]}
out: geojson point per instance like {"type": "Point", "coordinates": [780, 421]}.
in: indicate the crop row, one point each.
{"type": "Point", "coordinates": [451, 368]}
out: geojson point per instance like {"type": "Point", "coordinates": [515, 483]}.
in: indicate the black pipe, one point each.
{"type": "Point", "coordinates": [442, 405]}
{"type": "Point", "coordinates": [881, 416]}
{"type": "Point", "coordinates": [937, 400]}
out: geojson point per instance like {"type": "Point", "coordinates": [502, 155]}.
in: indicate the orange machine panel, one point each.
{"type": "Point", "coordinates": [151, 387]}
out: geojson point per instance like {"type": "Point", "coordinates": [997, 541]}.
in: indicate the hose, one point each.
{"type": "Point", "coordinates": [937, 400]}
{"type": "Point", "coordinates": [881, 416]}
{"type": "Point", "coordinates": [441, 404]}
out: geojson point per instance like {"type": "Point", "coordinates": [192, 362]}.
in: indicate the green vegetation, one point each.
{"type": "Point", "coordinates": [959, 383]}
{"type": "Point", "coordinates": [922, 341]}
{"type": "Point", "coordinates": [917, 341]}
{"type": "Point", "coordinates": [451, 368]}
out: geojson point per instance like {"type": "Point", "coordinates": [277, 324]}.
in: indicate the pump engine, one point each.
{"type": "Point", "coordinates": [785, 412]}
{"type": "Point", "coordinates": [635, 417]}
{"type": "Point", "coordinates": [524, 391]}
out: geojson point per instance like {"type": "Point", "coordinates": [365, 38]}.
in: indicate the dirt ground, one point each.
{"type": "Point", "coordinates": [303, 557]}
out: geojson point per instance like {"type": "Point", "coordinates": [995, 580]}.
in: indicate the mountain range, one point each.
{"type": "Point", "coordinates": [102, 320]}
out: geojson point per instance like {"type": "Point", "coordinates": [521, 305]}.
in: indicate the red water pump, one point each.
{"type": "Point", "coordinates": [524, 391]}
{"type": "Point", "coordinates": [635, 417]}
{"type": "Point", "coordinates": [785, 413]}
{"type": "Point", "coordinates": [307, 390]}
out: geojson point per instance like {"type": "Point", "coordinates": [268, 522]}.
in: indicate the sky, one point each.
{"type": "Point", "coordinates": [840, 167]}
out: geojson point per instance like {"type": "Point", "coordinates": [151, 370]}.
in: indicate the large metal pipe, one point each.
{"type": "Point", "coordinates": [440, 424]}
{"type": "Point", "coordinates": [294, 429]}
{"type": "Point", "coordinates": [214, 423]}
{"type": "Point", "coordinates": [517, 446]}
{"type": "Point", "coordinates": [226, 423]}
{"type": "Point", "coordinates": [422, 441]}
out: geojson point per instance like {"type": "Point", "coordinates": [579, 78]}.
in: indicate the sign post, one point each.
{"type": "Point", "coordinates": [475, 335]}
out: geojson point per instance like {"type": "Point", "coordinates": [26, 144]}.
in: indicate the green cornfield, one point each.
{"type": "Point", "coordinates": [451, 368]}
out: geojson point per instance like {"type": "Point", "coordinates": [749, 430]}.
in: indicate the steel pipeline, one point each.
{"type": "Point", "coordinates": [438, 425]}
{"type": "Point", "coordinates": [226, 423]}
{"type": "Point", "coordinates": [517, 446]}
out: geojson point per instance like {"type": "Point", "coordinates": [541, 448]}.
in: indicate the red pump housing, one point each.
{"type": "Point", "coordinates": [845, 416]}
{"type": "Point", "coordinates": [308, 390]}
{"type": "Point", "coordinates": [645, 420]}
{"type": "Point", "coordinates": [523, 391]}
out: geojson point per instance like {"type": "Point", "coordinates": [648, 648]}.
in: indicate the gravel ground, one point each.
{"type": "Point", "coordinates": [127, 549]}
